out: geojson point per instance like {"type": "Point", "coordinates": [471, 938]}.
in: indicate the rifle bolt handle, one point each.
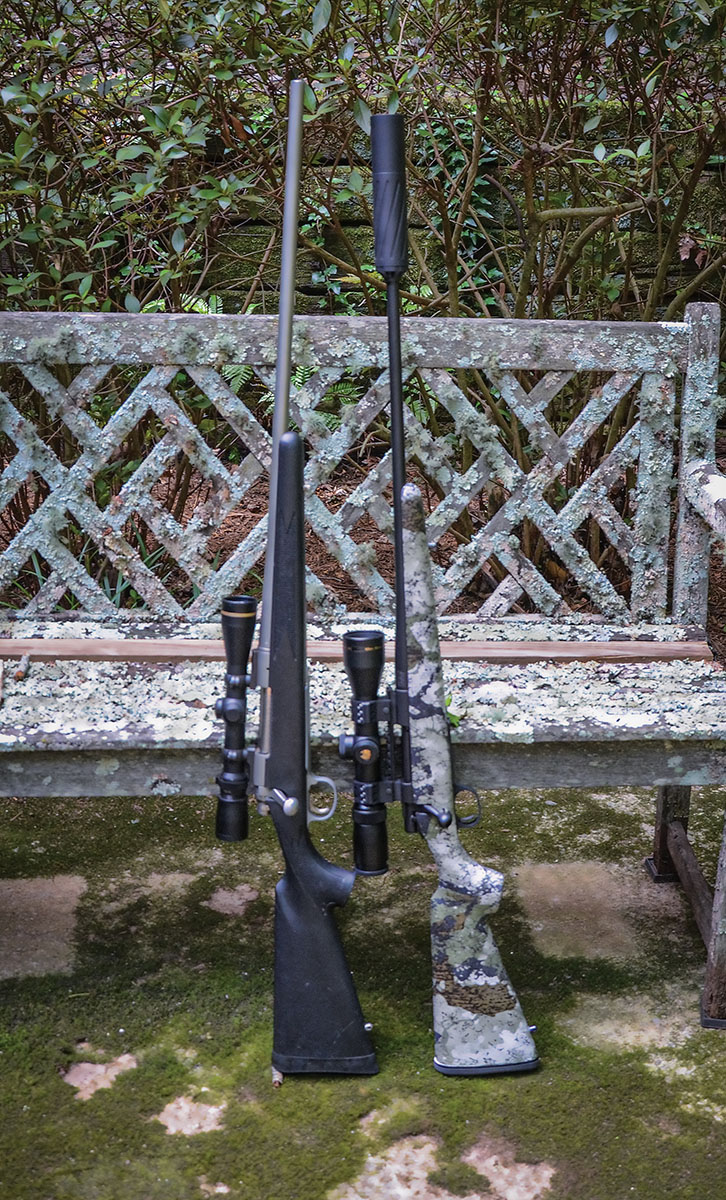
{"type": "Point", "coordinates": [289, 804]}
{"type": "Point", "coordinates": [443, 817]}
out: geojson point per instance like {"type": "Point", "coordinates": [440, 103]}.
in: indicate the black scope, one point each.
{"type": "Point", "coordinates": [363, 659]}
{"type": "Point", "coordinates": [238, 627]}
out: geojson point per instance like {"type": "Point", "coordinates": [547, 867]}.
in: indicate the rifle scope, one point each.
{"type": "Point", "coordinates": [238, 626]}
{"type": "Point", "coordinates": [363, 661]}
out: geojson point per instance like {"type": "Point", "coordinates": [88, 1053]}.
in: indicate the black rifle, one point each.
{"type": "Point", "coordinates": [318, 1023]}
{"type": "Point", "coordinates": [383, 765]}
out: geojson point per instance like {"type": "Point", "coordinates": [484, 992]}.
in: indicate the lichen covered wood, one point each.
{"type": "Point", "coordinates": [641, 364]}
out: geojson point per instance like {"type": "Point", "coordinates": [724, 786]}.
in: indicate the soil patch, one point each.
{"type": "Point", "coordinates": [188, 1117]}
{"type": "Point", "coordinates": [591, 909]}
{"type": "Point", "coordinates": [88, 1077]}
{"type": "Point", "coordinates": [231, 902]}
{"type": "Point", "coordinates": [38, 923]}
{"type": "Point", "coordinates": [403, 1171]}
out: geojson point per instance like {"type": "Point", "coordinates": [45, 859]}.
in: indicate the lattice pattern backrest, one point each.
{"type": "Point", "coordinates": [509, 525]}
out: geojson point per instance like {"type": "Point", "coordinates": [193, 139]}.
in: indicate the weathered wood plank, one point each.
{"type": "Point", "coordinates": [185, 339]}
{"type": "Point", "coordinates": [698, 435]}
{"type": "Point", "coordinates": [705, 487]}
{"type": "Point", "coordinates": [651, 528]}
{"type": "Point", "coordinates": [205, 650]}
{"type": "Point", "coordinates": [691, 878]}
{"type": "Point", "coordinates": [714, 992]}
{"type": "Point", "coordinates": [672, 804]}
{"type": "Point", "coordinates": [123, 771]}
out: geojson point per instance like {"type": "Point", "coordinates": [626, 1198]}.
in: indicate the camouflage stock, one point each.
{"type": "Point", "coordinates": [479, 1026]}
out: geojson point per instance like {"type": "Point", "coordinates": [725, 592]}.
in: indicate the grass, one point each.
{"type": "Point", "coordinates": [188, 991]}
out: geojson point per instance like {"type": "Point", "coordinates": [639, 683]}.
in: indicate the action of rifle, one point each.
{"type": "Point", "coordinates": [399, 747]}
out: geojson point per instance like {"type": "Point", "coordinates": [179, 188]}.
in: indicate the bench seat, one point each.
{"type": "Point", "coordinates": [124, 726]}
{"type": "Point", "coordinates": [570, 466]}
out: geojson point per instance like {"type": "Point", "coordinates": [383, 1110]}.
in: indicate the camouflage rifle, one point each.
{"type": "Point", "coordinates": [318, 1023]}
{"type": "Point", "coordinates": [479, 1027]}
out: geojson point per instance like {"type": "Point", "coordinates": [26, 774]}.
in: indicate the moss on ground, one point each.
{"type": "Point", "coordinates": [188, 991]}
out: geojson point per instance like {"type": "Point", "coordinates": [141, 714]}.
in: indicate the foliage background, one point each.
{"type": "Point", "coordinates": [564, 160]}
{"type": "Point", "coordinates": [552, 148]}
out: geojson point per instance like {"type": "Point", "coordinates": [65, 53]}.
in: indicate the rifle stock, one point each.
{"type": "Point", "coordinates": [318, 1021]}
{"type": "Point", "coordinates": [479, 1026]}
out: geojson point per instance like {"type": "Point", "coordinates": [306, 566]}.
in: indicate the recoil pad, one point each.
{"type": "Point", "coordinates": [390, 225]}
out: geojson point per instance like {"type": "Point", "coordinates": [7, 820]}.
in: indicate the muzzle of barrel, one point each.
{"type": "Point", "coordinates": [238, 626]}
{"type": "Point", "coordinates": [363, 658]}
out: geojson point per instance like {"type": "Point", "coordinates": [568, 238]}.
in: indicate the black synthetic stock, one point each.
{"type": "Point", "coordinates": [238, 626]}
{"type": "Point", "coordinates": [390, 228]}
{"type": "Point", "coordinates": [318, 1023]}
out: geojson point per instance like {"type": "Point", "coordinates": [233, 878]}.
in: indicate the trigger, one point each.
{"type": "Point", "coordinates": [474, 818]}
{"type": "Point", "coordinates": [322, 814]}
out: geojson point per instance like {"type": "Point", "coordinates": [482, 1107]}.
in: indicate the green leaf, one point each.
{"type": "Point", "coordinates": [135, 150]}
{"type": "Point", "coordinates": [362, 115]}
{"type": "Point", "coordinates": [23, 144]}
{"type": "Point", "coordinates": [178, 239]}
{"type": "Point", "coordinates": [611, 35]}
{"type": "Point", "coordinates": [310, 100]}
{"type": "Point", "coordinates": [13, 92]}
{"type": "Point", "coordinates": [84, 286]}
{"type": "Point", "coordinates": [599, 152]}
{"type": "Point", "coordinates": [643, 149]}
{"type": "Point", "coordinates": [131, 303]}
{"type": "Point", "coordinates": [651, 85]}
{"type": "Point", "coordinates": [321, 16]}
{"type": "Point", "coordinates": [592, 123]}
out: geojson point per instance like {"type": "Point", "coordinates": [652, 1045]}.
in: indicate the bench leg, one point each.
{"type": "Point", "coordinates": [713, 1004]}
{"type": "Point", "coordinates": [672, 804]}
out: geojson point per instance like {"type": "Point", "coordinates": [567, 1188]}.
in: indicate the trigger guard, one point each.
{"type": "Point", "coordinates": [467, 822]}
{"type": "Point", "coordinates": [324, 816]}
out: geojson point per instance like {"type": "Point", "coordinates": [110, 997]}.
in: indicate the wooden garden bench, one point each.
{"type": "Point", "coordinates": [596, 674]}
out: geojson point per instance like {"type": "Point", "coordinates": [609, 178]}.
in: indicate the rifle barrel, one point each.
{"type": "Point", "coordinates": [390, 231]}
{"type": "Point", "coordinates": [281, 414]}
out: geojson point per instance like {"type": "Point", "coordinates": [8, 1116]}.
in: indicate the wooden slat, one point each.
{"type": "Point", "coordinates": [185, 338]}
{"type": "Point", "coordinates": [515, 653]}
{"type": "Point", "coordinates": [691, 878]}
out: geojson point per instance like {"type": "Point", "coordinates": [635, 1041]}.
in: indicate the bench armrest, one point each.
{"type": "Point", "coordinates": [705, 488]}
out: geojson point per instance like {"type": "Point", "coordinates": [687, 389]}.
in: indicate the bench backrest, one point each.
{"type": "Point", "coordinates": [521, 512]}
